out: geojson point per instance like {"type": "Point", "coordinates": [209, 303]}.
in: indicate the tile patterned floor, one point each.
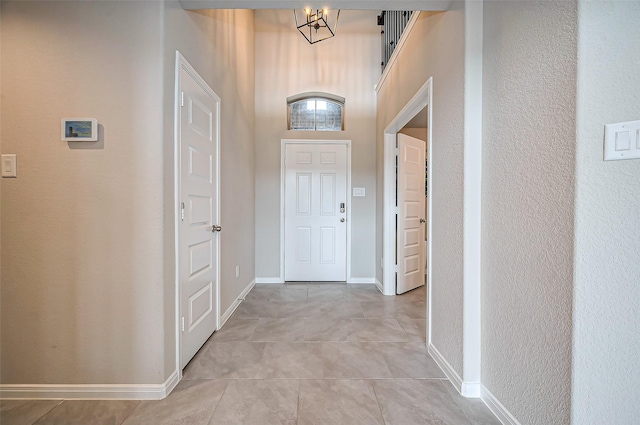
{"type": "Point", "coordinates": [300, 353]}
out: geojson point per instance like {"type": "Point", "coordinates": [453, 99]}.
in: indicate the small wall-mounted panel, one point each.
{"type": "Point", "coordinates": [79, 130]}
{"type": "Point", "coordinates": [358, 191]}
{"type": "Point", "coordinates": [622, 140]}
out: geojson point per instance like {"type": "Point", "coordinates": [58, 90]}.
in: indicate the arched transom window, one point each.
{"type": "Point", "coordinates": [315, 111]}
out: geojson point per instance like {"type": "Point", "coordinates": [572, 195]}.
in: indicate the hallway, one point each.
{"type": "Point", "coordinates": [298, 353]}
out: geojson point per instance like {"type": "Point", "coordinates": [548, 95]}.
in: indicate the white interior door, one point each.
{"type": "Point", "coordinates": [315, 228]}
{"type": "Point", "coordinates": [411, 221]}
{"type": "Point", "coordinates": [198, 194]}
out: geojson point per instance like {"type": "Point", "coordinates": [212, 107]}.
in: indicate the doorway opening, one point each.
{"type": "Point", "coordinates": [414, 111]}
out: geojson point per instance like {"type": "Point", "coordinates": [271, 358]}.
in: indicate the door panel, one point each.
{"type": "Point", "coordinates": [303, 241]}
{"type": "Point", "coordinates": [304, 194]}
{"type": "Point", "coordinates": [328, 194]}
{"type": "Point", "coordinates": [197, 244]}
{"type": "Point", "coordinates": [315, 237]}
{"type": "Point", "coordinates": [411, 224]}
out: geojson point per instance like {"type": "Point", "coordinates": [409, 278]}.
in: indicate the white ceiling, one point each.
{"type": "Point", "coordinates": [332, 4]}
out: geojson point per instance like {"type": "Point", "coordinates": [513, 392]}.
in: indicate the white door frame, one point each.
{"type": "Point", "coordinates": [181, 63]}
{"type": "Point", "coordinates": [283, 150]}
{"type": "Point", "coordinates": [418, 102]}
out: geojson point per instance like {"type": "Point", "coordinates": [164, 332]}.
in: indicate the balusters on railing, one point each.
{"type": "Point", "coordinates": [393, 23]}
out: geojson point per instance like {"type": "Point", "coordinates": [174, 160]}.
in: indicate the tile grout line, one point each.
{"type": "Point", "coordinates": [298, 404]}
{"type": "Point", "coordinates": [48, 411]}
{"type": "Point", "coordinates": [132, 412]}
{"type": "Point", "coordinates": [375, 394]}
{"type": "Point", "coordinates": [213, 412]}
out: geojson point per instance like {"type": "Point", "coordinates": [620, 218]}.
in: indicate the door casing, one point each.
{"type": "Point", "coordinates": [418, 102]}
{"type": "Point", "coordinates": [182, 63]}
{"type": "Point", "coordinates": [283, 150]}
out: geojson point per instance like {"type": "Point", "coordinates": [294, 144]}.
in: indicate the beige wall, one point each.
{"type": "Point", "coordinates": [82, 254]}
{"type": "Point", "coordinates": [606, 297]}
{"type": "Point", "coordinates": [348, 66]}
{"type": "Point", "coordinates": [88, 276]}
{"type": "Point", "coordinates": [435, 49]}
{"type": "Point", "coordinates": [418, 133]}
{"type": "Point", "coordinates": [528, 161]}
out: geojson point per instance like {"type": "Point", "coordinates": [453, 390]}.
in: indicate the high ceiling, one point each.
{"type": "Point", "coordinates": [332, 4]}
{"type": "Point", "coordinates": [351, 21]}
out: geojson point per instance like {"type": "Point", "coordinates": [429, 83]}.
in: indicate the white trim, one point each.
{"type": "Point", "coordinates": [283, 147]}
{"type": "Point", "coordinates": [448, 370]}
{"type": "Point", "coordinates": [472, 202]}
{"type": "Point", "coordinates": [92, 391]}
{"type": "Point", "coordinates": [315, 94]}
{"type": "Point", "coordinates": [466, 389]}
{"type": "Point", "coordinates": [396, 52]}
{"type": "Point", "coordinates": [379, 286]}
{"type": "Point", "coordinates": [232, 308]}
{"type": "Point", "coordinates": [269, 280]}
{"type": "Point", "coordinates": [181, 63]}
{"type": "Point", "coordinates": [470, 389]}
{"type": "Point", "coordinates": [422, 98]}
{"type": "Point", "coordinates": [501, 412]}
{"type": "Point", "coordinates": [418, 102]}
{"type": "Point", "coordinates": [388, 215]}
{"type": "Point", "coordinates": [361, 280]}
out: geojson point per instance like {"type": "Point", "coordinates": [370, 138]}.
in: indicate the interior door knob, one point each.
{"type": "Point", "coordinates": [342, 220]}
{"type": "Point", "coordinates": [422, 220]}
{"type": "Point", "coordinates": [215, 228]}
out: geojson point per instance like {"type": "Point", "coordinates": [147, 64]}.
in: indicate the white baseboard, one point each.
{"type": "Point", "coordinates": [466, 389]}
{"type": "Point", "coordinates": [470, 389]}
{"type": "Point", "coordinates": [501, 412]}
{"type": "Point", "coordinates": [379, 285]}
{"type": "Point", "coordinates": [236, 303]}
{"type": "Point", "coordinates": [361, 280]}
{"type": "Point", "coordinates": [91, 391]}
{"type": "Point", "coordinates": [448, 370]}
{"type": "Point", "coordinates": [269, 280]}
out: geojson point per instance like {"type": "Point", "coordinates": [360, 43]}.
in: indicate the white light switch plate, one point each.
{"type": "Point", "coordinates": [622, 140]}
{"type": "Point", "coordinates": [358, 191]}
{"type": "Point", "coordinates": [9, 165]}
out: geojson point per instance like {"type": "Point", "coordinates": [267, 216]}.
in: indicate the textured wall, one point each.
{"type": "Point", "coordinates": [87, 274]}
{"type": "Point", "coordinates": [527, 206]}
{"type": "Point", "coordinates": [219, 44]}
{"type": "Point", "coordinates": [82, 252]}
{"type": "Point", "coordinates": [348, 66]}
{"type": "Point", "coordinates": [606, 374]}
{"type": "Point", "coordinates": [435, 49]}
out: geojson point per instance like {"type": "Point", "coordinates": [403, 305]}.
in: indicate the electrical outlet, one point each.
{"type": "Point", "coordinates": [237, 271]}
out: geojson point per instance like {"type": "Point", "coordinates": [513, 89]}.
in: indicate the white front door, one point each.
{"type": "Point", "coordinates": [411, 212]}
{"type": "Point", "coordinates": [198, 197]}
{"type": "Point", "coordinates": [315, 228]}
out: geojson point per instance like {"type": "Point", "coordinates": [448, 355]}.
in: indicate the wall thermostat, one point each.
{"type": "Point", "coordinates": [79, 130]}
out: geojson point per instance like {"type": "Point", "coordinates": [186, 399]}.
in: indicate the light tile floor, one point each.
{"type": "Point", "coordinates": [299, 353]}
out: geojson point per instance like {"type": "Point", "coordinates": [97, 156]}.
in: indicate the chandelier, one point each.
{"type": "Point", "coordinates": [315, 27]}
